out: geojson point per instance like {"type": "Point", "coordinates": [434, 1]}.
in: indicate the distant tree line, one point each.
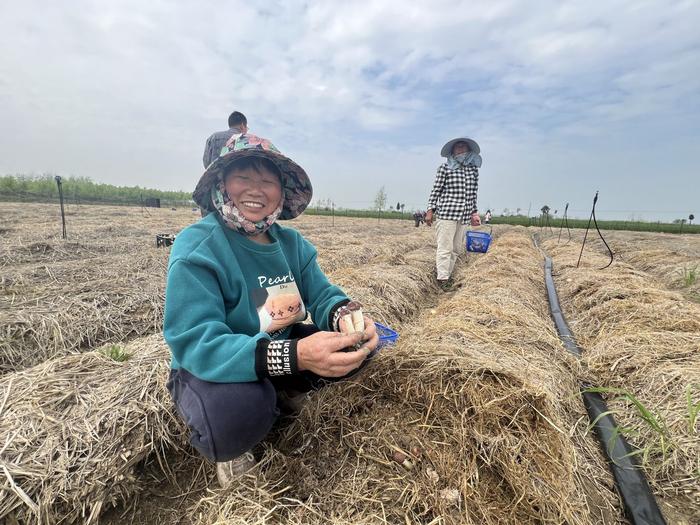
{"type": "Point", "coordinates": [39, 188]}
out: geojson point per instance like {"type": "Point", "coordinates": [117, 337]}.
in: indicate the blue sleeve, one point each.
{"type": "Point", "coordinates": [320, 296]}
{"type": "Point", "coordinates": [195, 328]}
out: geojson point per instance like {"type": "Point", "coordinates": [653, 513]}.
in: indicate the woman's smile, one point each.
{"type": "Point", "coordinates": [256, 194]}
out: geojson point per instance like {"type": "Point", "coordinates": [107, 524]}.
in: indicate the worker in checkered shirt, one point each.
{"type": "Point", "coordinates": [452, 203]}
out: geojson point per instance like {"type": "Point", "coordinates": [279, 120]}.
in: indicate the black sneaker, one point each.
{"type": "Point", "coordinates": [444, 285]}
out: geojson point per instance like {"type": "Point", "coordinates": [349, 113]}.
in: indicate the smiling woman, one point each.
{"type": "Point", "coordinates": [255, 190]}
{"type": "Point", "coordinates": [239, 287]}
{"type": "Point", "coordinates": [254, 193]}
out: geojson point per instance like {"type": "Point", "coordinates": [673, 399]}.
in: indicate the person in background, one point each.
{"type": "Point", "coordinates": [418, 217]}
{"type": "Point", "coordinates": [239, 287]}
{"type": "Point", "coordinates": [452, 203]}
{"type": "Point", "coordinates": [237, 123]}
{"type": "Point", "coordinates": [487, 217]}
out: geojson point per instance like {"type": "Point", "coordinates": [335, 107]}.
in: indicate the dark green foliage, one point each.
{"type": "Point", "coordinates": [642, 226]}
{"type": "Point", "coordinates": [82, 190]}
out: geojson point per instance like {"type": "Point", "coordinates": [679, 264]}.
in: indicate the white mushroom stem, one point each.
{"type": "Point", "coordinates": [358, 320]}
{"type": "Point", "coordinates": [346, 318]}
{"type": "Point", "coordinates": [349, 326]}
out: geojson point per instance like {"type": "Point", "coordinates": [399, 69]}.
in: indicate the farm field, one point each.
{"type": "Point", "coordinates": [673, 259]}
{"type": "Point", "coordinates": [641, 338]}
{"type": "Point", "coordinates": [478, 396]}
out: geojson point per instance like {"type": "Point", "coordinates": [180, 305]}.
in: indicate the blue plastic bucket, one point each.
{"type": "Point", "coordinates": [478, 242]}
{"type": "Point", "coordinates": [387, 337]}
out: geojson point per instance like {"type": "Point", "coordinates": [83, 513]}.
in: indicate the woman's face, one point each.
{"type": "Point", "coordinates": [459, 148]}
{"type": "Point", "coordinates": [255, 194]}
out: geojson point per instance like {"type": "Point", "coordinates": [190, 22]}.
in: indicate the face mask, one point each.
{"type": "Point", "coordinates": [464, 159]}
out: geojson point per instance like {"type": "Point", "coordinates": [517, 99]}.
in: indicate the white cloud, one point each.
{"type": "Point", "coordinates": [107, 90]}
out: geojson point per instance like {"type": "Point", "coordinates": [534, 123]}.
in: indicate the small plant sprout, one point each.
{"type": "Point", "coordinates": [117, 353]}
{"type": "Point", "coordinates": [654, 422]}
{"type": "Point", "coordinates": [689, 275]}
{"type": "Point", "coordinates": [693, 409]}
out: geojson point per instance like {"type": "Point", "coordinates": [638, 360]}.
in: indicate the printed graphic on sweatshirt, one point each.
{"type": "Point", "coordinates": [278, 305]}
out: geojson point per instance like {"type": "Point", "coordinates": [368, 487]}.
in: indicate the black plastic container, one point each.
{"type": "Point", "coordinates": [164, 239]}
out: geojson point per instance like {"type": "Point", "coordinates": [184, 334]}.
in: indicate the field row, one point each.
{"type": "Point", "coordinates": [641, 341]}
{"type": "Point", "coordinates": [479, 396]}
{"type": "Point", "coordinates": [673, 259]}
{"type": "Point", "coordinates": [67, 298]}
{"type": "Point", "coordinates": [75, 428]}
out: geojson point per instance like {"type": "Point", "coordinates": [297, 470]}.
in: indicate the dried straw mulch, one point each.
{"type": "Point", "coordinates": [76, 305]}
{"type": "Point", "coordinates": [645, 340]}
{"type": "Point", "coordinates": [392, 289]}
{"type": "Point", "coordinates": [673, 259]}
{"type": "Point", "coordinates": [72, 430]}
{"type": "Point", "coordinates": [479, 397]}
{"type": "Point", "coordinates": [75, 428]}
{"type": "Point", "coordinates": [677, 270]}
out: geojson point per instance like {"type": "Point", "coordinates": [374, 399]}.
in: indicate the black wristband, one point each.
{"type": "Point", "coordinates": [276, 357]}
{"type": "Point", "coordinates": [334, 317]}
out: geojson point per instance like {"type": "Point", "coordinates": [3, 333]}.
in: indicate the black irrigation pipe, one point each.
{"type": "Point", "coordinates": [640, 505]}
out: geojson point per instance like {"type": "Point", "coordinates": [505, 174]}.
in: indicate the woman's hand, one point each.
{"type": "Point", "coordinates": [371, 338]}
{"type": "Point", "coordinates": [429, 217]}
{"type": "Point", "coordinates": [321, 353]}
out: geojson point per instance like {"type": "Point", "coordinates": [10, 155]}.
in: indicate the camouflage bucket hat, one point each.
{"type": "Point", "coordinates": [296, 185]}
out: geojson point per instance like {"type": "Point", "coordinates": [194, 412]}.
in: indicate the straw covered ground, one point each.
{"type": "Point", "coordinates": [674, 259]}
{"type": "Point", "coordinates": [473, 417]}
{"type": "Point", "coordinates": [75, 430]}
{"type": "Point", "coordinates": [644, 340]}
{"type": "Point", "coordinates": [106, 283]}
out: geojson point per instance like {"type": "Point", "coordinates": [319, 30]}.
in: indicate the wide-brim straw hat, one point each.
{"type": "Point", "coordinates": [446, 150]}
{"type": "Point", "coordinates": [296, 185]}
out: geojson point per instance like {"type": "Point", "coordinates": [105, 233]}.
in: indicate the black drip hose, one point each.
{"type": "Point", "coordinates": [601, 235]}
{"type": "Point", "coordinates": [595, 222]}
{"type": "Point", "coordinates": [640, 505]}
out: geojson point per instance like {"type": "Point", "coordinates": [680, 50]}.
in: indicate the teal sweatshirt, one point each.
{"type": "Point", "coordinates": [230, 302]}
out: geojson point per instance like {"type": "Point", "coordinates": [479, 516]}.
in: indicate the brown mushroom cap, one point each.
{"type": "Point", "coordinates": [354, 306]}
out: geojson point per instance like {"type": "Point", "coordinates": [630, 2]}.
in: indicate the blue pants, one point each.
{"type": "Point", "coordinates": [227, 419]}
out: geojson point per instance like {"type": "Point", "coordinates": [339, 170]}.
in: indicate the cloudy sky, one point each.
{"type": "Point", "coordinates": [565, 98]}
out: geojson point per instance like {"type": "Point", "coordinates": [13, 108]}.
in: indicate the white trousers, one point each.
{"type": "Point", "coordinates": [450, 244]}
